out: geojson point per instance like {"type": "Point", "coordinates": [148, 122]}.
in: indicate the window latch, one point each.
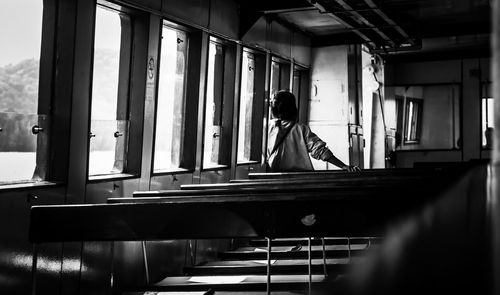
{"type": "Point", "coordinates": [215, 135]}
{"type": "Point", "coordinates": [117, 134]}
{"type": "Point", "coordinates": [36, 129]}
{"type": "Point", "coordinates": [91, 135]}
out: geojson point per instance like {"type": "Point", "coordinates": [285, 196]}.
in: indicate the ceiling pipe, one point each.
{"type": "Point", "coordinates": [384, 16]}
{"type": "Point", "coordinates": [362, 20]}
{"type": "Point", "coordinates": [299, 9]}
{"type": "Point", "coordinates": [324, 11]}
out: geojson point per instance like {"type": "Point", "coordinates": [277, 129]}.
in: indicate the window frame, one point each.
{"type": "Point", "coordinates": [301, 92]}
{"type": "Point", "coordinates": [227, 103]}
{"type": "Point", "coordinates": [259, 102]}
{"type": "Point", "coordinates": [409, 102]}
{"type": "Point", "coordinates": [285, 68]}
{"type": "Point", "coordinates": [486, 94]}
{"type": "Point", "coordinates": [186, 159]}
{"type": "Point", "coordinates": [44, 169]}
{"type": "Point", "coordinates": [130, 107]}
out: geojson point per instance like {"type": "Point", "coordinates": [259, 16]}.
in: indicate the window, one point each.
{"type": "Point", "coordinates": [110, 92]}
{"type": "Point", "coordinates": [23, 140]}
{"type": "Point", "coordinates": [413, 120]}
{"type": "Point", "coordinates": [280, 77]}
{"type": "Point", "coordinates": [427, 116]}
{"type": "Point", "coordinates": [215, 136]}
{"type": "Point", "coordinates": [171, 99]}
{"type": "Point", "coordinates": [275, 77]}
{"type": "Point", "coordinates": [300, 88]}
{"type": "Point", "coordinates": [247, 94]}
{"type": "Point", "coordinates": [487, 118]}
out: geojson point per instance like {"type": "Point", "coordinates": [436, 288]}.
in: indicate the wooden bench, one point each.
{"type": "Point", "coordinates": [423, 170]}
{"type": "Point", "coordinates": [302, 208]}
{"type": "Point", "coordinates": [255, 216]}
{"type": "Point", "coordinates": [339, 186]}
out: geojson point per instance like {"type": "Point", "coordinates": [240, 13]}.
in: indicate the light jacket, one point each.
{"type": "Point", "coordinates": [293, 152]}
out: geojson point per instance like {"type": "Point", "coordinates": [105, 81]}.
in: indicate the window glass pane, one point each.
{"type": "Point", "coordinates": [170, 107]}
{"type": "Point", "coordinates": [275, 78]}
{"type": "Point", "coordinates": [488, 122]}
{"type": "Point", "coordinates": [275, 81]}
{"type": "Point", "coordinates": [296, 86]}
{"type": "Point", "coordinates": [19, 72]}
{"type": "Point", "coordinates": [213, 105]}
{"type": "Point", "coordinates": [246, 107]}
{"type": "Point", "coordinates": [108, 134]}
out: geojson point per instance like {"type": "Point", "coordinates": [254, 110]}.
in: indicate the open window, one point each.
{"type": "Point", "coordinates": [413, 120]}
{"type": "Point", "coordinates": [170, 112]}
{"type": "Point", "coordinates": [300, 88]}
{"type": "Point", "coordinates": [487, 117]}
{"type": "Point", "coordinates": [218, 103]}
{"type": "Point", "coordinates": [109, 127]}
{"type": "Point", "coordinates": [24, 105]}
{"type": "Point", "coordinates": [280, 75]}
{"type": "Point", "coordinates": [251, 105]}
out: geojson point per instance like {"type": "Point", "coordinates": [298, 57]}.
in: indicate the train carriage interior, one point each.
{"type": "Point", "coordinates": [134, 147]}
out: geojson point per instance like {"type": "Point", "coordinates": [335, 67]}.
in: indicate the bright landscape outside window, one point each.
{"type": "Point", "coordinates": [170, 106]}
{"type": "Point", "coordinates": [19, 76]}
{"type": "Point", "coordinates": [108, 135]}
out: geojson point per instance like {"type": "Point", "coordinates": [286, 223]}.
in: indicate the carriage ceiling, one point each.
{"type": "Point", "coordinates": [390, 27]}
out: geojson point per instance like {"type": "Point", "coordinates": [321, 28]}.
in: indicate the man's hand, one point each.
{"type": "Point", "coordinates": [351, 168]}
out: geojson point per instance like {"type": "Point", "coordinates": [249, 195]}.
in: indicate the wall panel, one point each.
{"type": "Point", "coordinates": [424, 72]}
{"type": "Point", "coordinates": [243, 170]}
{"type": "Point", "coordinates": [257, 35]}
{"type": "Point", "coordinates": [280, 40]}
{"type": "Point", "coordinates": [301, 48]}
{"type": "Point", "coordinates": [174, 181]}
{"type": "Point", "coordinates": [151, 4]}
{"type": "Point", "coordinates": [224, 18]}
{"type": "Point", "coordinates": [15, 248]}
{"type": "Point", "coordinates": [328, 104]}
{"type": "Point", "coordinates": [215, 176]}
{"type": "Point", "coordinates": [467, 72]}
{"type": "Point", "coordinates": [407, 159]}
{"type": "Point", "coordinates": [192, 11]}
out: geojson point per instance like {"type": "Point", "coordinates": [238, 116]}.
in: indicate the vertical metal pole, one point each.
{"type": "Point", "coordinates": [324, 257]}
{"type": "Point", "coordinates": [33, 269]}
{"type": "Point", "coordinates": [495, 197]}
{"type": "Point", "coordinates": [145, 255]}
{"type": "Point", "coordinates": [309, 250]}
{"type": "Point", "coordinates": [268, 266]}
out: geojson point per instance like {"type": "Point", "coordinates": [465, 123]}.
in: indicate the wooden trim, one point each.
{"type": "Point", "coordinates": [150, 101]}
{"type": "Point", "coordinates": [236, 111]}
{"type": "Point", "coordinates": [205, 41]}
{"type": "Point", "coordinates": [265, 118]}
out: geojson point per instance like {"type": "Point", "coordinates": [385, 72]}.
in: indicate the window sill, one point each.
{"type": "Point", "coordinates": [215, 167]}
{"type": "Point", "coordinates": [106, 177]}
{"type": "Point", "coordinates": [428, 150]}
{"type": "Point", "coordinates": [28, 185]}
{"type": "Point", "coordinates": [247, 163]}
{"type": "Point", "coordinates": [171, 171]}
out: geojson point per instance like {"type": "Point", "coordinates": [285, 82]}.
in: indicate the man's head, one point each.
{"type": "Point", "coordinates": [283, 106]}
